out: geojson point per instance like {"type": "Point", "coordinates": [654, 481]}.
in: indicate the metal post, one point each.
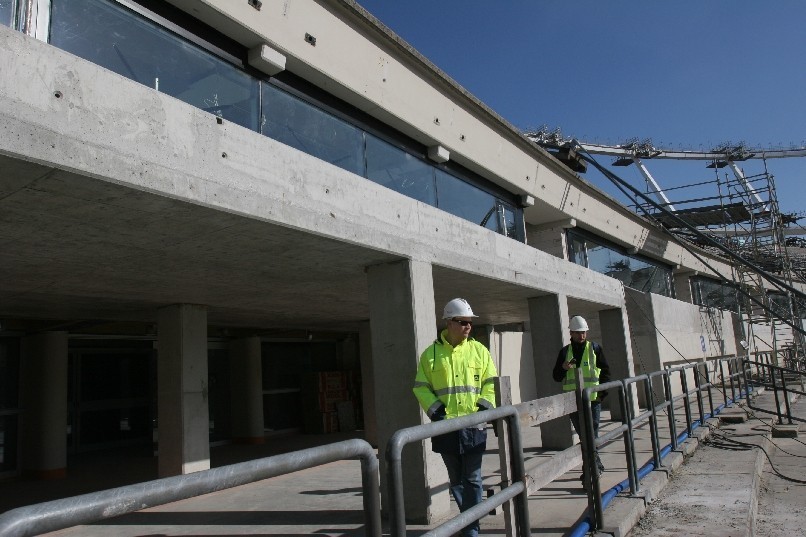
{"type": "Point", "coordinates": [709, 386]}
{"type": "Point", "coordinates": [653, 422]}
{"type": "Point", "coordinates": [732, 388]}
{"type": "Point", "coordinates": [741, 379]}
{"type": "Point", "coordinates": [667, 385]}
{"type": "Point", "coordinates": [519, 475]}
{"type": "Point", "coordinates": [777, 400]}
{"type": "Point", "coordinates": [588, 444]}
{"type": "Point", "coordinates": [503, 397]}
{"type": "Point", "coordinates": [687, 399]}
{"type": "Point", "coordinates": [626, 408]}
{"type": "Point", "coordinates": [786, 397]}
{"type": "Point", "coordinates": [722, 376]}
{"type": "Point", "coordinates": [698, 384]}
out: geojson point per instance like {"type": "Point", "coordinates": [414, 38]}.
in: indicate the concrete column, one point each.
{"type": "Point", "coordinates": [617, 348]}
{"type": "Point", "coordinates": [402, 325]}
{"type": "Point", "coordinates": [246, 390]}
{"type": "Point", "coordinates": [550, 238]}
{"type": "Point", "coordinates": [184, 444]}
{"type": "Point", "coordinates": [368, 384]}
{"type": "Point", "coordinates": [548, 321]}
{"type": "Point", "coordinates": [641, 313]}
{"type": "Point", "coordinates": [43, 394]}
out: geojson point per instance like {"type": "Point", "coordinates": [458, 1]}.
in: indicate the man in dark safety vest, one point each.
{"type": "Point", "coordinates": [455, 377]}
{"type": "Point", "coordinates": [590, 357]}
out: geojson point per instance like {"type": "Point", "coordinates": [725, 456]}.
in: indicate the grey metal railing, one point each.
{"type": "Point", "coordinates": [517, 490]}
{"type": "Point", "coordinates": [775, 378]}
{"type": "Point", "coordinates": [87, 508]}
{"type": "Point", "coordinates": [692, 400]}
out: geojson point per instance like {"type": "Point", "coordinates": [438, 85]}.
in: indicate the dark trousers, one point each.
{"type": "Point", "coordinates": [596, 411]}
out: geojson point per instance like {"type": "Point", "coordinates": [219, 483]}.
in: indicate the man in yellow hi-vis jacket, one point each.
{"type": "Point", "coordinates": [455, 378]}
{"type": "Point", "coordinates": [595, 370]}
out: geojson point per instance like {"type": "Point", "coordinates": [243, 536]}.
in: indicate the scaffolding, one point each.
{"type": "Point", "coordinates": [747, 220]}
{"type": "Point", "coordinates": [733, 216]}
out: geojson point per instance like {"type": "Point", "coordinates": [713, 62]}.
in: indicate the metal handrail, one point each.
{"type": "Point", "coordinates": [629, 422]}
{"type": "Point", "coordinates": [517, 489]}
{"type": "Point", "coordinates": [776, 373]}
{"type": "Point", "coordinates": [87, 508]}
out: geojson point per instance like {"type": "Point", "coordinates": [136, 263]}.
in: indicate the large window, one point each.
{"type": "Point", "coordinates": [111, 36]}
{"type": "Point", "coordinates": [7, 12]}
{"type": "Point", "coordinates": [634, 271]}
{"type": "Point", "coordinates": [162, 55]}
{"type": "Point", "coordinates": [714, 294]}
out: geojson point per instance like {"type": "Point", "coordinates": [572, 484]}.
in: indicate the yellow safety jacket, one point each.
{"type": "Point", "coordinates": [458, 377]}
{"type": "Point", "coordinates": [590, 373]}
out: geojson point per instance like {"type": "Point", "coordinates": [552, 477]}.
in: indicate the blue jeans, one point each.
{"type": "Point", "coordinates": [464, 473]}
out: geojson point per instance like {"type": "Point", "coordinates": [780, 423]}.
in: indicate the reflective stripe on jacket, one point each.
{"type": "Point", "coordinates": [590, 373]}
{"type": "Point", "coordinates": [458, 377]}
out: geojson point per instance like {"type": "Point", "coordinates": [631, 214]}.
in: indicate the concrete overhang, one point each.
{"type": "Point", "coordinates": [116, 199]}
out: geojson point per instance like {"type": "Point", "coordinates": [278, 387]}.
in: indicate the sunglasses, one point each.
{"type": "Point", "coordinates": [463, 323]}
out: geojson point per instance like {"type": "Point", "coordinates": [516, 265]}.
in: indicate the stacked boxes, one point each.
{"type": "Point", "coordinates": [322, 394]}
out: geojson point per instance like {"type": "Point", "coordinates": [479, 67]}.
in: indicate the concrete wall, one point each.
{"type": "Point", "coordinates": [667, 331]}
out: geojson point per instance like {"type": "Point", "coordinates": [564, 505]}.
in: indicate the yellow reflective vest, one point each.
{"type": "Point", "coordinates": [590, 373]}
{"type": "Point", "coordinates": [458, 377]}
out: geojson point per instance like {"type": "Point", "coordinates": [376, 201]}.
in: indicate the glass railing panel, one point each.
{"type": "Point", "coordinates": [301, 125]}
{"type": "Point", "coordinates": [467, 201]}
{"type": "Point", "coordinates": [124, 42]}
{"type": "Point", "coordinates": [394, 168]}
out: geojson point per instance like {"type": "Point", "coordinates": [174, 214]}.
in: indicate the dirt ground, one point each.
{"type": "Point", "coordinates": [782, 503]}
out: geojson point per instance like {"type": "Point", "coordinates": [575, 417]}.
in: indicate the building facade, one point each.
{"type": "Point", "coordinates": [225, 219]}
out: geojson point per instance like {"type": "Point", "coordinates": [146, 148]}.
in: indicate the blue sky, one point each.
{"type": "Point", "coordinates": [687, 74]}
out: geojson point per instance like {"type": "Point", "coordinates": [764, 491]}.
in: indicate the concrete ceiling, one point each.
{"type": "Point", "coordinates": [85, 251]}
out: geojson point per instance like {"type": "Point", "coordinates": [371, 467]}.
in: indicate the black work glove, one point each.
{"type": "Point", "coordinates": [438, 414]}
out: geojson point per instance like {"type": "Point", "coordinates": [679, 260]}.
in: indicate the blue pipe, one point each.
{"type": "Point", "coordinates": [584, 526]}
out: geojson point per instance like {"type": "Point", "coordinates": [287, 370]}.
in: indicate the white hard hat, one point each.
{"type": "Point", "coordinates": [458, 307]}
{"type": "Point", "coordinates": [578, 324]}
